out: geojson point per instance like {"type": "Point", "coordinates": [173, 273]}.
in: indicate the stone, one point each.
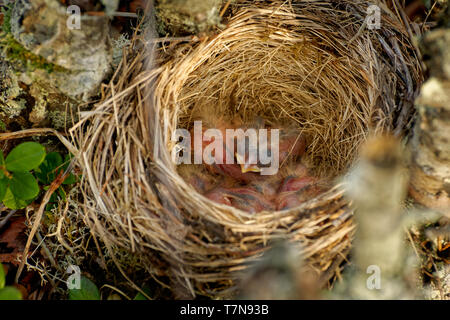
{"type": "Point", "coordinates": [85, 55]}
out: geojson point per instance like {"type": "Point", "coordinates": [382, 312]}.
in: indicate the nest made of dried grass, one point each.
{"type": "Point", "coordinates": [312, 62]}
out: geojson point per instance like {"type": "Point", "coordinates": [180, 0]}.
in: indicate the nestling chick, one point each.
{"type": "Point", "coordinates": [292, 199]}
{"type": "Point", "coordinates": [268, 186]}
{"type": "Point", "coordinates": [219, 166]}
{"type": "Point", "coordinates": [297, 187]}
{"type": "Point", "coordinates": [219, 195]}
{"type": "Point", "coordinates": [292, 144]}
{"type": "Point", "coordinates": [234, 171]}
{"type": "Point", "coordinates": [224, 162]}
{"type": "Point", "coordinates": [245, 186]}
{"type": "Point", "coordinates": [249, 200]}
{"type": "Point", "coordinates": [242, 198]}
{"type": "Point", "coordinates": [293, 183]}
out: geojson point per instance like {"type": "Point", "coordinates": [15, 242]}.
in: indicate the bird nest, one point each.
{"type": "Point", "coordinates": [312, 63]}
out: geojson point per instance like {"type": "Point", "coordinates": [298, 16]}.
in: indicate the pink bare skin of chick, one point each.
{"type": "Point", "coordinates": [299, 186]}
{"type": "Point", "coordinates": [293, 199]}
{"type": "Point", "coordinates": [292, 146]}
{"type": "Point", "coordinates": [259, 192]}
{"type": "Point", "coordinates": [243, 198]}
{"type": "Point", "coordinates": [220, 166]}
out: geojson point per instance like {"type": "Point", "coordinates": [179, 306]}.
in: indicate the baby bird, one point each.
{"type": "Point", "coordinates": [297, 187]}
{"type": "Point", "coordinates": [242, 198]}
{"type": "Point", "coordinates": [249, 200]}
{"type": "Point", "coordinates": [293, 183]}
{"type": "Point", "coordinates": [219, 163]}
{"type": "Point", "coordinates": [219, 195]}
{"type": "Point", "coordinates": [235, 171]}
{"type": "Point", "coordinates": [268, 186]}
{"type": "Point", "coordinates": [293, 199]}
{"type": "Point", "coordinates": [292, 144]}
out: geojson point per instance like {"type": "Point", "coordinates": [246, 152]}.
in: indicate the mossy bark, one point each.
{"type": "Point", "coordinates": [53, 66]}
{"type": "Point", "coordinates": [181, 17]}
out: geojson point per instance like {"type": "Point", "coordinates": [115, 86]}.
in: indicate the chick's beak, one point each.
{"type": "Point", "coordinates": [245, 167]}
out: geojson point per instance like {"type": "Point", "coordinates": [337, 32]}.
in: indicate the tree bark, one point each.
{"type": "Point", "coordinates": [51, 66]}
{"type": "Point", "coordinates": [430, 181]}
{"type": "Point", "coordinates": [181, 17]}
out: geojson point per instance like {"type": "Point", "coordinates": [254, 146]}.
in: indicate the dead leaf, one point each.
{"type": "Point", "coordinates": [12, 240]}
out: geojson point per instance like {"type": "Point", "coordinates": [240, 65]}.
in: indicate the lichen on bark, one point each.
{"type": "Point", "coordinates": [430, 182]}
{"type": "Point", "coordinates": [179, 17]}
{"type": "Point", "coordinates": [11, 104]}
{"type": "Point", "coordinates": [57, 65]}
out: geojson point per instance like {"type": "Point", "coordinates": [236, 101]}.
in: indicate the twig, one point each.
{"type": "Point", "coordinates": [328, 274]}
{"type": "Point", "coordinates": [27, 133]}
{"type": "Point", "coordinates": [114, 14]}
{"type": "Point", "coordinates": [117, 290]}
{"type": "Point", "coordinates": [37, 132]}
{"type": "Point", "coordinates": [428, 15]}
{"type": "Point", "coordinates": [46, 250]}
{"type": "Point", "coordinates": [5, 219]}
{"type": "Point", "coordinates": [412, 243]}
{"type": "Point", "coordinates": [58, 234]}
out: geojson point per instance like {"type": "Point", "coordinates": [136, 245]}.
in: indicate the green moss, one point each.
{"type": "Point", "coordinates": [6, 10]}
{"type": "Point", "coordinates": [12, 108]}
{"type": "Point", "coordinates": [180, 17]}
{"type": "Point", "coordinates": [60, 119]}
{"type": "Point", "coordinates": [15, 52]}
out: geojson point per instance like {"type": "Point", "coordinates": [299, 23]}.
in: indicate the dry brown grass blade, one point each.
{"type": "Point", "coordinates": [37, 132]}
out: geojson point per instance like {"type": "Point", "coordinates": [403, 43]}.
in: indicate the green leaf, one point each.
{"type": "Point", "coordinates": [54, 198]}
{"type": "Point", "coordinates": [88, 291]}
{"type": "Point", "coordinates": [67, 160]}
{"type": "Point", "coordinates": [71, 179]}
{"type": "Point", "coordinates": [24, 186]}
{"type": "Point", "coordinates": [10, 293]}
{"type": "Point", "coordinates": [4, 182]}
{"type": "Point", "coordinates": [62, 193]}
{"type": "Point", "coordinates": [2, 165]}
{"type": "Point", "coordinates": [25, 157]}
{"type": "Point", "coordinates": [140, 296]}
{"type": "Point", "coordinates": [49, 168]}
{"type": "Point", "coordinates": [2, 277]}
{"type": "Point", "coordinates": [12, 202]}
{"type": "Point", "coordinates": [54, 160]}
